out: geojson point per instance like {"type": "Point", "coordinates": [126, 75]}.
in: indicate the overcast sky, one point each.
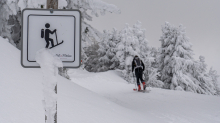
{"type": "Point", "coordinates": [200, 17]}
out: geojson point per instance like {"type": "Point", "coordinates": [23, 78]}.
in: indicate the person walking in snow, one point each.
{"type": "Point", "coordinates": [47, 35]}
{"type": "Point", "coordinates": [138, 67]}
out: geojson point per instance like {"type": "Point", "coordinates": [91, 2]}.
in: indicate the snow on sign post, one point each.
{"type": "Point", "coordinates": [58, 30]}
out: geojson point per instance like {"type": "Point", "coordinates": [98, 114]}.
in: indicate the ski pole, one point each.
{"type": "Point", "coordinates": [134, 83]}
{"type": "Point", "coordinates": [56, 36]}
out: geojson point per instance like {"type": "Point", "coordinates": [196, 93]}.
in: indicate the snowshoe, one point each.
{"type": "Point", "coordinates": [143, 91]}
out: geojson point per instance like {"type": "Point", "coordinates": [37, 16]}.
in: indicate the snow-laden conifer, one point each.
{"type": "Point", "coordinates": [133, 42]}
{"type": "Point", "coordinates": [179, 71]}
{"type": "Point", "coordinates": [205, 82]}
{"type": "Point", "coordinates": [105, 55]}
{"type": "Point", "coordinates": [176, 55]}
{"type": "Point", "coordinates": [213, 74]}
{"type": "Point", "coordinates": [107, 49]}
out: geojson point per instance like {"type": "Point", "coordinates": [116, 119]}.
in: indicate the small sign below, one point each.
{"type": "Point", "coordinates": [59, 31]}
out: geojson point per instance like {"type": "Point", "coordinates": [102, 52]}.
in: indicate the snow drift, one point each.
{"type": "Point", "coordinates": [21, 96]}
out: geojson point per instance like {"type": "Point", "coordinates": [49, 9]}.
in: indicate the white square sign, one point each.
{"type": "Point", "coordinates": [58, 30]}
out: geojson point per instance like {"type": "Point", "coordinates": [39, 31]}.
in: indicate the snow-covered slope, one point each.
{"type": "Point", "coordinates": [21, 97]}
{"type": "Point", "coordinates": [94, 98]}
{"type": "Point", "coordinates": [160, 105]}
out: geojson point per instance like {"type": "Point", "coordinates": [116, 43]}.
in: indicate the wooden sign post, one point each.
{"type": "Point", "coordinates": [53, 4]}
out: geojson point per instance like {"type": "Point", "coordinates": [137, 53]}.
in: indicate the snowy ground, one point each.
{"type": "Point", "coordinates": [163, 106]}
{"type": "Point", "coordinates": [94, 98]}
{"type": "Point", "coordinates": [21, 97]}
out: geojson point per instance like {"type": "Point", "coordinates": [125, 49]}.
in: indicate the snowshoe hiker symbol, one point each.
{"type": "Point", "coordinates": [46, 36]}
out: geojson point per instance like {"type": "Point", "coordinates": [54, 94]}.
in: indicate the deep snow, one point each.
{"type": "Point", "coordinates": [94, 98]}
{"type": "Point", "coordinates": [163, 106]}
{"type": "Point", "coordinates": [21, 96]}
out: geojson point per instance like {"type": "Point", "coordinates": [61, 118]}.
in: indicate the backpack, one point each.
{"type": "Point", "coordinates": [138, 63]}
{"type": "Point", "coordinates": [42, 33]}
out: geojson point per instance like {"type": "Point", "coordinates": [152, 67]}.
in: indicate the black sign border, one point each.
{"type": "Point", "coordinates": [80, 29]}
{"type": "Point", "coordinates": [52, 15]}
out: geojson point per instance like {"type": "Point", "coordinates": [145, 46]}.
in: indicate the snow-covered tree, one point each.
{"type": "Point", "coordinates": [153, 80]}
{"type": "Point", "coordinates": [214, 76]}
{"type": "Point", "coordinates": [155, 53]}
{"type": "Point", "coordinates": [179, 71]}
{"type": "Point", "coordinates": [10, 21]}
{"type": "Point", "coordinates": [92, 64]}
{"type": "Point", "coordinates": [204, 82]}
{"type": "Point", "coordinates": [105, 57]}
{"type": "Point", "coordinates": [127, 48]}
{"type": "Point", "coordinates": [133, 42]}
{"type": "Point", "coordinates": [152, 74]}
{"type": "Point", "coordinates": [176, 52]}
{"type": "Point", "coordinates": [107, 49]}
{"type": "Point", "coordinates": [114, 39]}
{"type": "Point", "coordinates": [88, 32]}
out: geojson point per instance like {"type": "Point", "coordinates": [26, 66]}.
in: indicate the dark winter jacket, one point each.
{"type": "Point", "coordinates": [139, 68]}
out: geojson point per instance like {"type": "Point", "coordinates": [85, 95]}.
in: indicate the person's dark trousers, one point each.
{"type": "Point", "coordinates": [49, 40]}
{"type": "Point", "coordinates": [138, 74]}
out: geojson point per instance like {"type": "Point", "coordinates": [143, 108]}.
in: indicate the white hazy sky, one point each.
{"type": "Point", "coordinates": [200, 17]}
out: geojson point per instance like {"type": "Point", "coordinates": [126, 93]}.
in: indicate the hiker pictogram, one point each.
{"type": "Point", "coordinates": [46, 36]}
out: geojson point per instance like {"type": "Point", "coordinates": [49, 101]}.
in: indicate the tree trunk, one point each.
{"type": "Point", "coordinates": [52, 4]}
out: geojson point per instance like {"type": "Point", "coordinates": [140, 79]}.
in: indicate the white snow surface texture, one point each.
{"type": "Point", "coordinates": [94, 98]}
